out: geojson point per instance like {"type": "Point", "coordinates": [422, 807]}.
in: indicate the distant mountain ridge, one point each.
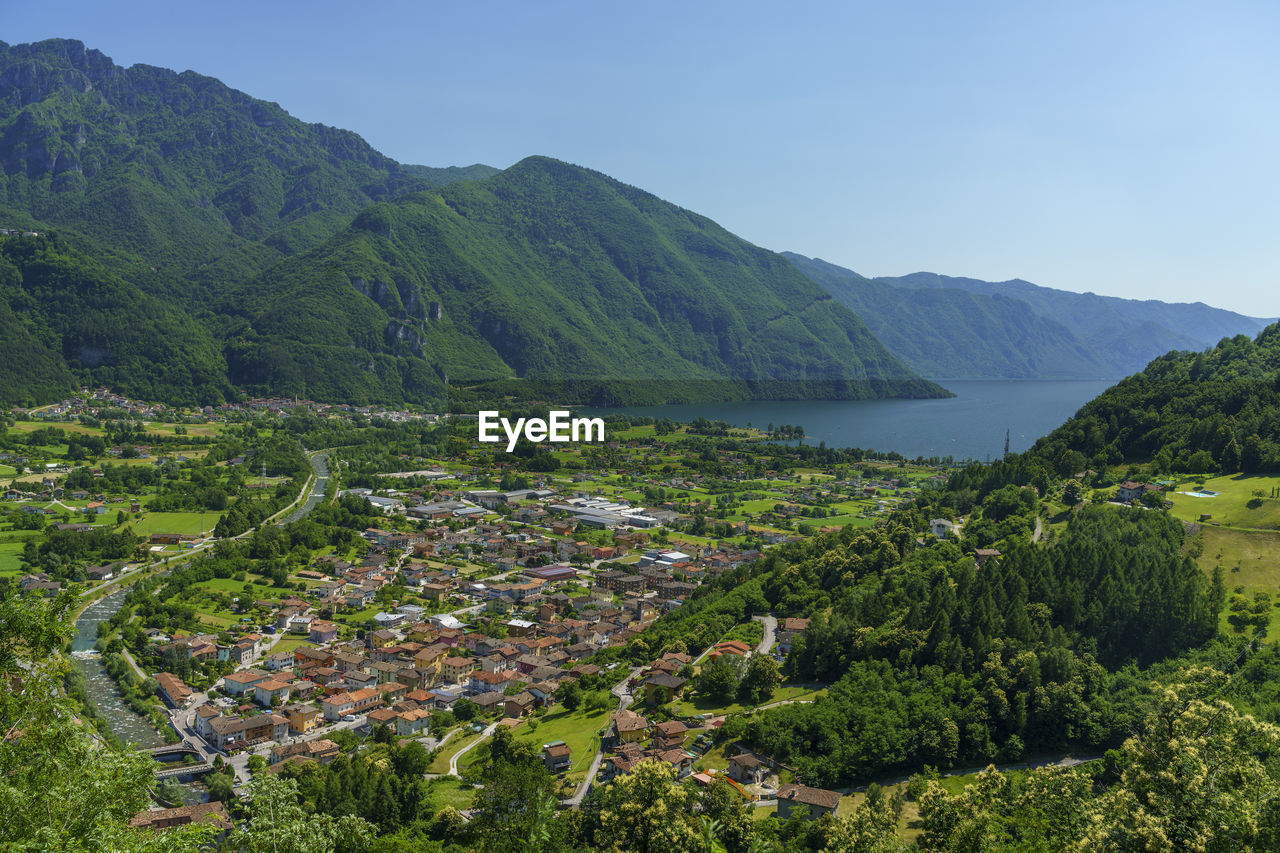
{"type": "Point", "coordinates": [176, 175]}
{"type": "Point", "coordinates": [953, 328]}
{"type": "Point", "coordinates": [563, 277]}
{"type": "Point", "coordinates": [303, 261]}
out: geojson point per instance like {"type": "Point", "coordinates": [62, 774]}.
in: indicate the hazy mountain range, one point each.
{"type": "Point", "coordinates": [956, 328]}
{"type": "Point", "coordinates": [200, 242]}
{"type": "Point", "coordinates": [310, 264]}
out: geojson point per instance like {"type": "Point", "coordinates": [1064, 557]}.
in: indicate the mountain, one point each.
{"type": "Point", "coordinates": [956, 334]}
{"type": "Point", "coordinates": [559, 276]}
{"type": "Point", "coordinates": [179, 180]}
{"type": "Point", "coordinates": [966, 328]}
{"type": "Point", "coordinates": [1197, 412]}
{"type": "Point", "coordinates": [317, 266]}
{"type": "Point", "coordinates": [67, 320]}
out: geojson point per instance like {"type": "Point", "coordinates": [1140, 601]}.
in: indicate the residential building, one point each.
{"type": "Point", "coordinates": [239, 683]}
{"type": "Point", "coordinates": [818, 801]}
{"type": "Point", "coordinates": [302, 718]}
{"type": "Point", "coordinates": [271, 692]}
{"type": "Point", "coordinates": [234, 733]}
{"type": "Point", "coordinates": [557, 756]}
{"type": "Point", "coordinates": [172, 690]}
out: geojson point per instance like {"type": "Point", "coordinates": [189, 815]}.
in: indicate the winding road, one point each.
{"type": "Point", "coordinates": [770, 623]}
{"type": "Point", "coordinates": [453, 761]}
{"type": "Point", "coordinates": [625, 698]}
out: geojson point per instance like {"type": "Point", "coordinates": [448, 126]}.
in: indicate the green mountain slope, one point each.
{"type": "Point", "coordinates": [1126, 332]}
{"type": "Point", "coordinates": [561, 276]}
{"type": "Point", "coordinates": [955, 334]}
{"type": "Point", "coordinates": [178, 171]}
{"type": "Point", "coordinates": [65, 319]}
{"type": "Point", "coordinates": [1223, 403]}
{"type": "Point", "coordinates": [225, 208]}
{"type": "Point", "coordinates": [966, 328]}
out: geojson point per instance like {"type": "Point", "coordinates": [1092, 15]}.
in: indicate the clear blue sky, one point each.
{"type": "Point", "coordinates": [1126, 148]}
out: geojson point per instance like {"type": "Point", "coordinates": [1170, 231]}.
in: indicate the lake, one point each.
{"type": "Point", "coordinates": [970, 425]}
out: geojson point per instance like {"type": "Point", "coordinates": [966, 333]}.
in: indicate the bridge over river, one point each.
{"type": "Point", "coordinates": [170, 760]}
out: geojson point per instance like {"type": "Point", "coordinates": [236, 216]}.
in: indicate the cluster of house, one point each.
{"type": "Point", "coordinates": [39, 582]}
{"type": "Point", "coordinates": [397, 676]}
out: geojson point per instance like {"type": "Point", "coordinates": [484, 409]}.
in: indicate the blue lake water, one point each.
{"type": "Point", "coordinates": [970, 425]}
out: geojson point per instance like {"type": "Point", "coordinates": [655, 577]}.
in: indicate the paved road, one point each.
{"type": "Point", "coordinates": [453, 762]}
{"type": "Point", "coordinates": [314, 488]}
{"type": "Point", "coordinates": [770, 633]}
{"type": "Point", "coordinates": [625, 698]}
{"type": "Point", "coordinates": [133, 663]}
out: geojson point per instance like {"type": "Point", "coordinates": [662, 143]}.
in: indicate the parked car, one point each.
{"type": "Point", "coordinates": [349, 718]}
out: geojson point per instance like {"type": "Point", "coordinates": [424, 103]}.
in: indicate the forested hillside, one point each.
{"type": "Point", "coordinates": [562, 277]}
{"type": "Point", "coordinates": [71, 321]}
{"type": "Point", "coordinates": [954, 334]}
{"type": "Point", "coordinates": [324, 269]}
{"type": "Point", "coordinates": [965, 328]}
{"type": "Point", "coordinates": [934, 660]}
{"type": "Point", "coordinates": [1186, 413]}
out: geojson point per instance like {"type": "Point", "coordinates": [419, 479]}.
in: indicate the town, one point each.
{"type": "Point", "coordinates": [274, 614]}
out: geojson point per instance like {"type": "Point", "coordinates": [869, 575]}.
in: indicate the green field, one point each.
{"type": "Point", "coordinates": [707, 705]}
{"type": "Point", "coordinates": [32, 426]}
{"type": "Point", "coordinates": [1231, 507]}
{"type": "Point", "coordinates": [192, 429]}
{"type": "Point", "coordinates": [1249, 560]}
{"type": "Point", "coordinates": [451, 792]}
{"type": "Point", "coordinates": [290, 643]}
{"type": "Point", "coordinates": [456, 743]}
{"type": "Point", "coordinates": [579, 729]}
{"type": "Point", "coordinates": [10, 552]}
{"type": "Point", "coordinates": [187, 523]}
{"type": "Point", "coordinates": [214, 620]}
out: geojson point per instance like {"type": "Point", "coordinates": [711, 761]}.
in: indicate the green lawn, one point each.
{"type": "Point", "coordinates": [174, 522]}
{"type": "Point", "coordinates": [236, 588]}
{"type": "Point", "coordinates": [714, 759]}
{"type": "Point", "coordinates": [451, 792]}
{"type": "Point", "coordinates": [215, 620]}
{"type": "Point", "coordinates": [1249, 560]}
{"type": "Point", "coordinates": [10, 552]}
{"type": "Point", "coordinates": [290, 643]}
{"type": "Point", "coordinates": [707, 705]}
{"type": "Point", "coordinates": [192, 429]}
{"type": "Point", "coordinates": [842, 520]}
{"type": "Point", "coordinates": [452, 748]}
{"type": "Point", "coordinates": [32, 426]}
{"type": "Point", "coordinates": [1231, 506]}
{"type": "Point", "coordinates": [579, 729]}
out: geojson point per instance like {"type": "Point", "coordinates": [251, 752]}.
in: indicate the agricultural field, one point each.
{"type": "Point", "coordinates": [9, 558]}
{"type": "Point", "coordinates": [1249, 563]}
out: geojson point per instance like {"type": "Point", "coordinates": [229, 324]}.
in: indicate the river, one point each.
{"type": "Point", "coordinates": [129, 727]}
{"type": "Point", "coordinates": [103, 693]}
{"type": "Point", "coordinates": [970, 425]}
